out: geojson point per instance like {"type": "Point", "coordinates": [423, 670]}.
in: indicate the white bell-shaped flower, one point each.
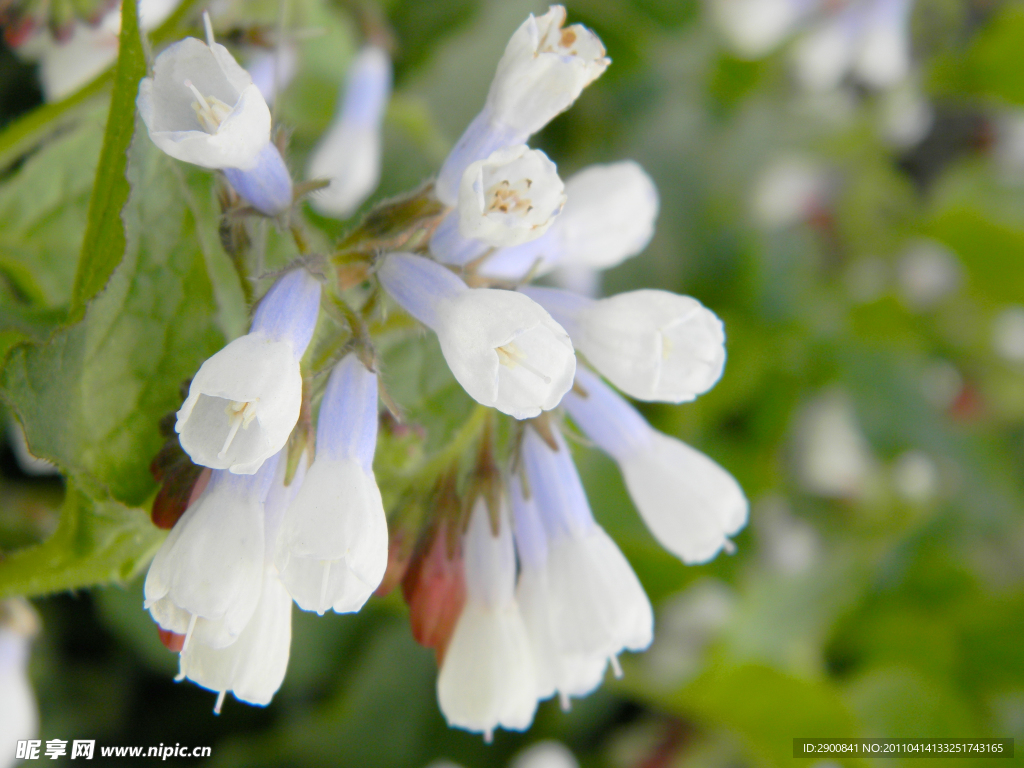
{"type": "Point", "coordinates": [608, 216]}
{"type": "Point", "coordinates": [487, 678]}
{"type": "Point", "coordinates": [509, 198]}
{"type": "Point", "coordinates": [332, 548]}
{"type": "Point", "coordinates": [201, 107]}
{"type": "Point", "coordinates": [244, 401]}
{"type": "Point", "coordinates": [568, 673]}
{"type": "Point", "coordinates": [19, 718]}
{"type": "Point", "coordinates": [501, 346]}
{"type": "Point", "coordinates": [689, 502]}
{"type": "Point", "coordinates": [205, 579]}
{"type": "Point", "coordinates": [653, 345]}
{"type": "Point", "coordinates": [597, 606]}
{"type": "Point", "coordinates": [252, 668]}
{"type": "Point", "coordinates": [349, 154]}
{"type": "Point", "coordinates": [544, 69]}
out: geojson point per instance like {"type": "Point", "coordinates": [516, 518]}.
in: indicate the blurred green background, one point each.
{"type": "Point", "coordinates": [872, 406]}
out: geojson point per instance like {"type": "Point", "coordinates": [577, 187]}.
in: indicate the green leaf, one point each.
{"type": "Point", "coordinates": [104, 244]}
{"type": "Point", "coordinates": [765, 707]}
{"type": "Point", "coordinates": [95, 542]}
{"type": "Point", "coordinates": [44, 207]}
{"type": "Point", "coordinates": [90, 399]}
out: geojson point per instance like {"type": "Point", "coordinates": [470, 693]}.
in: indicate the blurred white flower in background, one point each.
{"type": "Point", "coordinates": [1008, 334]}
{"type": "Point", "coordinates": [866, 39]}
{"type": "Point", "coordinates": [790, 190]}
{"type": "Point", "coordinates": [832, 456]}
{"type": "Point", "coordinates": [66, 65]}
{"type": "Point", "coordinates": [788, 544]}
{"type": "Point", "coordinates": [915, 477]}
{"type": "Point", "coordinates": [905, 115]}
{"type": "Point", "coordinates": [688, 623]}
{"type": "Point", "coordinates": [927, 273]}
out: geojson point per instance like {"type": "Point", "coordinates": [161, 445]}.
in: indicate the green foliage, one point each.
{"type": "Point", "coordinates": [91, 397]}
{"type": "Point", "coordinates": [95, 542]}
{"type": "Point", "coordinates": [104, 242]}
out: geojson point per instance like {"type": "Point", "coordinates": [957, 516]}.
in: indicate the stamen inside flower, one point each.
{"type": "Point", "coordinates": [510, 198]}
{"type": "Point", "coordinates": [210, 110]}
{"type": "Point", "coordinates": [511, 356]}
{"type": "Point", "coordinates": [240, 414]}
{"type": "Point", "coordinates": [220, 702]}
{"type": "Point", "coordinates": [188, 632]}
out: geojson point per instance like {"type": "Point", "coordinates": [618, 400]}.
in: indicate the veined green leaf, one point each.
{"type": "Point", "coordinates": [95, 542]}
{"type": "Point", "coordinates": [91, 398]}
{"type": "Point", "coordinates": [104, 243]}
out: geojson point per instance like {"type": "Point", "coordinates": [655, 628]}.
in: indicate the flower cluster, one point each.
{"type": "Point", "coordinates": [509, 577]}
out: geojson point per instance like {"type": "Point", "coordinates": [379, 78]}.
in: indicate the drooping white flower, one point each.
{"type": "Point", "coordinates": [205, 580]}
{"type": "Point", "coordinates": [244, 401]}
{"type": "Point", "coordinates": [201, 107]}
{"type": "Point", "coordinates": [557, 670]}
{"type": "Point", "coordinates": [349, 154]}
{"type": "Point", "coordinates": [511, 197]}
{"type": "Point", "coordinates": [332, 549]}
{"type": "Point", "coordinates": [252, 668]}
{"type": "Point", "coordinates": [486, 679]}
{"type": "Point", "coordinates": [653, 345]}
{"type": "Point", "coordinates": [596, 605]}
{"type": "Point", "coordinates": [608, 216]}
{"type": "Point", "coordinates": [689, 502]}
{"type": "Point", "coordinates": [544, 69]}
{"type": "Point", "coordinates": [19, 718]}
{"type": "Point", "coordinates": [501, 346]}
